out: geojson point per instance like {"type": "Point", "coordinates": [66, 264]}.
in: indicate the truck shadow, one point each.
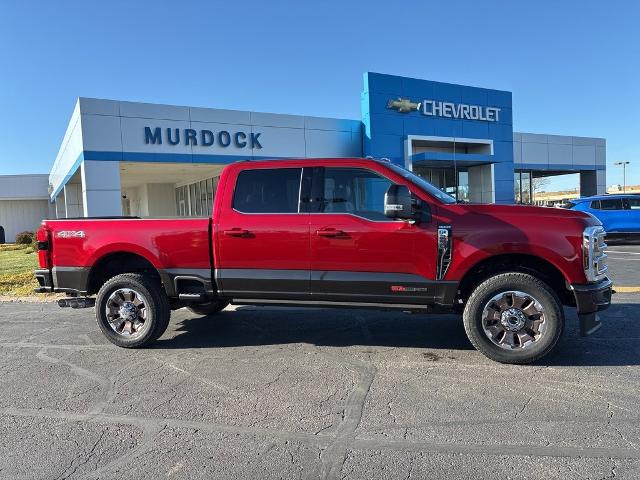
{"type": "Point", "coordinates": [254, 326]}
{"type": "Point", "coordinates": [615, 344]}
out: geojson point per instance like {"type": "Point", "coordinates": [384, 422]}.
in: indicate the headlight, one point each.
{"type": "Point", "coordinates": [593, 253]}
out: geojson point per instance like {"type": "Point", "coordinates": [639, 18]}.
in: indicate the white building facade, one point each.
{"type": "Point", "coordinates": [24, 202]}
{"type": "Point", "coordinates": [161, 160]}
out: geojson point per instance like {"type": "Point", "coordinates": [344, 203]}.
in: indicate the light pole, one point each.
{"type": "Point", "coordinates": [624, 174]}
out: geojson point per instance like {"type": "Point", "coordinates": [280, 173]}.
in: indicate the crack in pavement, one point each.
{"type": "Point", "coordinates": [524, 407]}
{"type": "Point", "coordinates": [83, 458]}
{"type": "Point", "coordinates": [335, 445]}
{"type": "Point", "coordinates": [334, 456]}
{"type": "Point", "coordinates": [149, 433]}
{"type": "Point", "coordinates": [107, 384]}
{"type": "Point", "coordinates": [61, 346]}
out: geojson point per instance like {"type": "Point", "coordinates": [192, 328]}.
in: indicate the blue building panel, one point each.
{"type": "Point", "coordinates": [506, 116]}
{"type": "Point", "coordinates": [447, 92]}
{"type": "Point", "coordinates": [382, 83]}
{"type": "Point", "coordinates": [414, 125]}
{"type": "Point", "coordinates": [500, 132]}
{"type": "Point", "coordinates": [435, 109]}
{"type": "Point", "coordinates": [413, 87]}
{"type": "Point", "coordinates": [504, 192]}
{"type": "Point", "coordinates": [447, 127]}
{"type": "Point", "coordinates": [499, 98]}
{"type": "Point", "coordinates": [475, 96]}
{"type": "Point", "coordinates": [391, 145]}
{"type": "Point", "coordinates": [386, 124]}
{"type": "Point", "coordinates": [502, 172]}
{"type": "Point", "coordinates": [475, 130]}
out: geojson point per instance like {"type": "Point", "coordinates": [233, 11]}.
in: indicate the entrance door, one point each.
{"type": "Point", "coordinates": [360, 255]}
{"type": "Point", "coordinates": [263, 237]}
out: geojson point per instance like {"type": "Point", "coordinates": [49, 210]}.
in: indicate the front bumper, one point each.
{"type": "Point", "coordinates": [590, 299]}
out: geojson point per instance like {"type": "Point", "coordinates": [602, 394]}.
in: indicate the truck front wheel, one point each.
{"type": "Point", "coordinates": [513, 318]}
{"type": "Point", "coordinates": [132, 310]}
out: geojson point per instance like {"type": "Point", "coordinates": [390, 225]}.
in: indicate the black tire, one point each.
{"type": "Point", "coordinates": [517, 282]}
{"type": "Point", "coordinates": [156, 304]}
{"type": "Point", "coordinates": [209, 308]}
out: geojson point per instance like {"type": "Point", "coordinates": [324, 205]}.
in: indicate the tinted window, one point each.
{"type": "Point", "coordinates": [634, 203]}
{"type": "Point", "coordinates": [595, 205]}
{"type": "Point", "coordinates": [354, 190]}
{"type": "Point", "coordinates": [273, 190]}
{"type": "Point", "coordinates": [611, 204]}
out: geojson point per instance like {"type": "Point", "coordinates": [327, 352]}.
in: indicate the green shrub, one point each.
{"type": "Point", "coordinates": [25, 238]}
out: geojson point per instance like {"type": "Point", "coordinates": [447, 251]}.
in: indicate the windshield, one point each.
{"type": "Point", "coordinates": [422, 183]}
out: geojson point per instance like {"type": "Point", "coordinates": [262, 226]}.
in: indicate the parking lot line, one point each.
{"type": "Point", "coordinates": [626, 289]}
{"type": "Point", "coordinates": [622, 251]}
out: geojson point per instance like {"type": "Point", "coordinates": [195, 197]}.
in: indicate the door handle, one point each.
{"type": "Point", "coordinates": [237, 232]}
{"type": "Point", "coordinates": [330, 232]}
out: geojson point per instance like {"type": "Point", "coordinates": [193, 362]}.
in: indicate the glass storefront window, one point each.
{"type": "Point", "coordinates": [196, 199]}
{"type": "Point", "coordinates": [522, 186]}
{"type": "Point", "coordinates": [463, 186]}
{"type": "Point", "coordinates": [526, 187]}
{"type": "Point", "coordinates": [192, 199]}
{"type": "Point", "coordinates": [445, 180]}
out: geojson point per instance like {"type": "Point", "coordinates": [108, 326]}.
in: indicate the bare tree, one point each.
{"type": "Point", "coordinates": [540, 184]}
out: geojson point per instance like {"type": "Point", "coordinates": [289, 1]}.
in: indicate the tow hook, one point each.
{"type": "Point", "coordinates": [77, 302]}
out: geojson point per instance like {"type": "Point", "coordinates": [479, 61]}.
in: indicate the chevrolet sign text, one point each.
{"type": "Point", "coordinates": [434, 108]}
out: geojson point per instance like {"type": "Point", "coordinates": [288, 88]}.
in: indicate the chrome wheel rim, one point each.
{"type": "Point", "coordinates": [513, 320]}
{"type": "Point", "coordinates": [127, 311]}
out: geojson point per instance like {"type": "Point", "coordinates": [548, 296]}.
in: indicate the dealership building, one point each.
{"type": "Point", "coordinates": [144, 159]}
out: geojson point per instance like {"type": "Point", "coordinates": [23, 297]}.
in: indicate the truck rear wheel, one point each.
{"type": "Point", "coordinates": [132, 310]}
{"type": "Point", "coordinates": [209, 308]}
{"type": "Point", "coordinates": [513, 318]}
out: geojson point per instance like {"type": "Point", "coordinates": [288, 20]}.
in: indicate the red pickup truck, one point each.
{"type": "Point", "coordinates": [357, 233]}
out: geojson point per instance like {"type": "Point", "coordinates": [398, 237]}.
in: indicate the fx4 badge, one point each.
{"type": "Point", "coordinates": [70, 234]}
{"type": "Point", "coordinates": [402, 288]}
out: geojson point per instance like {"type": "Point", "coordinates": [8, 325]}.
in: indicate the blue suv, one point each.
{"type": "Point", "coordinates": [619, 214]}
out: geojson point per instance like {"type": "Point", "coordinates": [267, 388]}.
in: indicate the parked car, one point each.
{"type": "Point", "coordinates": [619, 214]}
{"type": "Point", "coordinates": [345, 233]}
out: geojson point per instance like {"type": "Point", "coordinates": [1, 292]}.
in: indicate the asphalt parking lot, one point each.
{"type": "Point", "coordinates": [624, 264]}
{"type": "Point", "coordinates": [293, 393]}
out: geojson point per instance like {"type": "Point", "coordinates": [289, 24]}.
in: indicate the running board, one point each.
{"type": "Point", "coordinates": [192, 297]}
{"type": "Point", "coordinates": [328, 304]}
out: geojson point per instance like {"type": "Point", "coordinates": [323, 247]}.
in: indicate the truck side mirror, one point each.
{"type": "Point", "coordinates": [398, 203]}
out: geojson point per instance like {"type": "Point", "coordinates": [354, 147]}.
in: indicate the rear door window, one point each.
{"type": "Point", "coordinates": [595, 205]}
{"type": "Point", "coordinates": [611, 204]}
{"type": "Point", "coordinates": [634, 203]}
{"type": "Point", "coordinates": [268, 190]}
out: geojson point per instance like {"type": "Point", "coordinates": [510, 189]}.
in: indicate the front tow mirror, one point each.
{"type": "Point", "coordinates": [398, 203]}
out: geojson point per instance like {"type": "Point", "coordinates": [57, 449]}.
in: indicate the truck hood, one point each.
{"type": "Point", "coordinates": [518, 228]}
{"type": "Point", "coordinates": [525, 214]}
{"type": "Point", "coordinates": [484, 230]}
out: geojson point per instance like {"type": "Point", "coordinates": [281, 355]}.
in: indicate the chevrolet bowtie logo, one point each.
{"type": "Point", "coordinates": [403, 105]}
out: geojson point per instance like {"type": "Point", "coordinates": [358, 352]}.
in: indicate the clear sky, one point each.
{"type": "Point", "coordinates": [573, 66]}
